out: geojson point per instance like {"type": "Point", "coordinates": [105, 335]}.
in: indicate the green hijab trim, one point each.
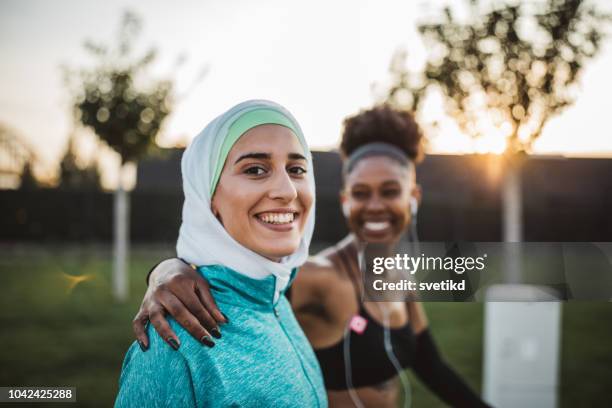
{"type": "Point", "coordinates": [242, 125]}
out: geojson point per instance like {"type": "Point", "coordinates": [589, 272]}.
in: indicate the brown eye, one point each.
{"type": "Point", "coordinates": [255, 171]}
{"type": "Point", "coordinates": [360, 194]}
{"type": "Point", "coordinates": [391, 193]}
{"type": "Point", "coordinates": [297, 170]}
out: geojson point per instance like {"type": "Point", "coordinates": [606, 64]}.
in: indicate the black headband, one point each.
{"type": "Point", "coordinates": [375, 149]}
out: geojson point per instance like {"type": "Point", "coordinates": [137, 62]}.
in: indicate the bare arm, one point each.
{"type": "Point", "coordinates": [433, 370]}
{"type": "Point", "coordinates": [177, 289]}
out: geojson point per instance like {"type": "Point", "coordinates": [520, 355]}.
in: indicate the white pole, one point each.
{"type": "Point", "coordinates": [522, 339]}
{"type": "Point", "coordinates": [121, 241]}
{"type": "Point", "coordinates": [512, 219]}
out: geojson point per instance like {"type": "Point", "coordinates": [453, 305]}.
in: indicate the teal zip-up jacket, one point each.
{"type": "Point", "coordinates": [262, 360]}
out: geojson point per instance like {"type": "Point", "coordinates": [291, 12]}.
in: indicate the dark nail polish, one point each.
{"type": "Point", "coordinates": [173, 343]}
{"type": "Point", "coordinates": [226, 319]}
{"type": "Point", "coordinates": [216, 333]}
{"type": "Point", "coordinates": [207, 341]}
{"type": "Point", "coordinates": [142, 346]}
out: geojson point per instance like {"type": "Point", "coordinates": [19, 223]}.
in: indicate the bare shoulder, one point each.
{"type": "Point", "coordinates": [315, 283]}
{"type": "Point", "coordinates": [316, 271]}
{"type": "Point", "coordinates": [318, 263]}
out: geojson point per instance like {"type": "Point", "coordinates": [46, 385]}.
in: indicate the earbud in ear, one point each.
{"type": "Point", "coordinates": [414, 206]}
{"type": "Point", "coordinates": [345, 209]}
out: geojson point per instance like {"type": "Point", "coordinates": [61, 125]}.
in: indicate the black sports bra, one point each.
{"type": "Point", "coordinates": [368, 362]}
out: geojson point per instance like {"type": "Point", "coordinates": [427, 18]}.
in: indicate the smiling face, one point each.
{"type": "Point", "coordinates": [376, 199]}
{"type": "Point", "coordinates": [263, 197]}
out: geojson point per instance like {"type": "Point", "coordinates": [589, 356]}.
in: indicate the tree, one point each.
{"type": "Point", "coordinates": [125, 115]}
{"type": "Point", "coordinates": [28, 179]}
{"type": "Point", "coordinates": [73, 176]}
{"type": "Point", "coordinates": [511, 68]}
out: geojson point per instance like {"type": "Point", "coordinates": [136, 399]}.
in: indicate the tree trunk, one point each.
{"type": "Point", "coordinates": [512, 218]}
{"type": "Point", "coordinates": [121, 216]}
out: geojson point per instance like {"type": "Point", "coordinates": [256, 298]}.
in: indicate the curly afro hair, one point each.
{"type": "Point", "coordinates": [383, 124]}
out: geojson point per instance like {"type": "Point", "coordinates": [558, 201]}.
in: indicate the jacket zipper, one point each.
{"type": "Point", "coordinates": [277, 315]}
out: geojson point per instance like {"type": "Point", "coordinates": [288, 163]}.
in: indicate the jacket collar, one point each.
{"type": "Point", "coordinates": [229, 286]}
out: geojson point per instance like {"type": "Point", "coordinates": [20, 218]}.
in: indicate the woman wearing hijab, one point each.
{"type": "Point", "coordinates": [362, 347]}
{"type": "Point", "coordinates": [249, 192]}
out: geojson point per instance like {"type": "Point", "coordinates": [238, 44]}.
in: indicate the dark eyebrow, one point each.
{"type": "Point", "coordinates": [268, 156]}
{"type": "Point", "coordinates": [387, 183]}
{"type": "Point", "coordinates": [296, 156]}
{"type": "Point", "coordinates": [260, 156]}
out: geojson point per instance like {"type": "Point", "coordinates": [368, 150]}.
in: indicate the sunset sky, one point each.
{"type": "Point", "coordinates": [320, 59]}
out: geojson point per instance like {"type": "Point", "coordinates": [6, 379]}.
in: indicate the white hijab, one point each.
{"type": "Point", "coordinates": [202, 239]}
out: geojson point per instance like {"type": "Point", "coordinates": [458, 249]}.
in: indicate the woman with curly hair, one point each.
{"type": "Point", "coordinates": [363, 347]}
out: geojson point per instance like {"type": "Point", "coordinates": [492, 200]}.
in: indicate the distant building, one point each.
{"type": "Point", "coordinates": [565, 199]}
{"type": "Point", "coordinates": [161, 172]}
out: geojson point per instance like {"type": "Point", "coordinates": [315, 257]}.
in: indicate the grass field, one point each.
{"type": "Point", "coordinates": [56, 331]}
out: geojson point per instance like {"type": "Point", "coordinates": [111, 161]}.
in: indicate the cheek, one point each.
{"type": "Point", "coordinates": [305, 195]}
{"type": "Point", "coordinates": [352, 210]}
{"type": "Point", "coordinates": [401, 209]}
{"type": "Point", "coordinates": [233, 204]}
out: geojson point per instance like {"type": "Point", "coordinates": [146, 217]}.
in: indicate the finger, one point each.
{"type": "Point", "coordinates": [139, 325]}
{"type": "Point", "coordinates": [193, 304]}
{"type": "Point", "coordinates": [184, 317]}
{"type": "Point", "coordinates": [159, 322]}
{"type": "Point", "coordinates": [205, 297]}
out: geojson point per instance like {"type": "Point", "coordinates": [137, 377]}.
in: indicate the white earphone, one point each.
{"type": "Point", "coordinates": [345, 209]}
{"type": "Point", "coordinates": [414, 206]}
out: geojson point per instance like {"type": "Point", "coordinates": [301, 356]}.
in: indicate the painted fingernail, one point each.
{"type": "Point", "coordinates": [207, 341]}
{"type": "Point", "coordinates": [216, 333]}
{"type": "Point", "coordinates": [173, 343]}
{"type": "Point", "coordinates": [142, 346]}
{"type": "Point", "coordinates": [226, 319]}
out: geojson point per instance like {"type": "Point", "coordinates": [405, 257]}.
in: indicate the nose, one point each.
{"type": "Point", "coordinates": [282, 187]}
{"type": "Point", "coordinates": [375, 204]}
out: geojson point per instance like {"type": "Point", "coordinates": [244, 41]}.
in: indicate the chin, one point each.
{"type": "Point", "coordinates": [279, 251]}
{"type": "Point", "coordinates": [388, 238]}
{"type": "Point", "coordinates": [376, 240]}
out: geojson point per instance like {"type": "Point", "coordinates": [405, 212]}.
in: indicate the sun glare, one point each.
{"type": "Point", "coordinates": [490, 144]}
{"type": "Point", "coordinates": [494, 139]}
{"type": "Point", "coordinates": [73, 280]}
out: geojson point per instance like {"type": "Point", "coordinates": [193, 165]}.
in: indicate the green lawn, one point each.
{"type": "Point", "coordinates": [53, 336]}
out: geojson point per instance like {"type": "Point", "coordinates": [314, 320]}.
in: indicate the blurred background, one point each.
{"type": "Point", "coordinates": [98, 100]}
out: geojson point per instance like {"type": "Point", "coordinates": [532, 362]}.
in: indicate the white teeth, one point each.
{"type": "Point", "coordinates": [276, 218]}
{"type": "Point", "coordinates": [377, 226]}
